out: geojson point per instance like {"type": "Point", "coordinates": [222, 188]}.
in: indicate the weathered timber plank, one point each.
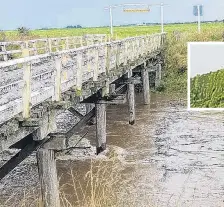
{"type": "Point", "coordinates": [75, 112]}
{"type": "Point", "coordinates": [21, 155]}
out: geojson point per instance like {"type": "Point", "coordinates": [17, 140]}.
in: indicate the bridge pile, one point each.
{"type": "Point", "coordinates": [34, 89]}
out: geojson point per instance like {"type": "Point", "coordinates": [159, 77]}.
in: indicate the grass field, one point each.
{"type": "Point", "coordinates": [121, 32]}
{"type": "Point", "coordinates": [207, 90]}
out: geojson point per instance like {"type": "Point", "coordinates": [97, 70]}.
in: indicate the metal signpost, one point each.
{"type": "Point", "coordinates": [146, 9]}
{"type": "Point", "coordinates": [198, 11]}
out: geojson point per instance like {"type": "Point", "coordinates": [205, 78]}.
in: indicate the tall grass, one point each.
{"type": "Point", "coordinates": [175, 73]}
{"type": "Point", "coordinates": [98, 187]}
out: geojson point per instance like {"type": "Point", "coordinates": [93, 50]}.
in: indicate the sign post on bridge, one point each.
{"type": "Point", "coordinates": [145, 8]}
{"type": "Point", "coordinates": [198, 11]}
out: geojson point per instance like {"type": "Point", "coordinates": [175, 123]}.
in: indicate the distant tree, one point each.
{"type": "Point", "coordinates": [23, 31]}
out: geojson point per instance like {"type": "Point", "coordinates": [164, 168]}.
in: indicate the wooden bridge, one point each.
{"type": "Point", "coordinates": [35, 88]}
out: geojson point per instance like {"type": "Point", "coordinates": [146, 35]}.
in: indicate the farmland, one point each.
{"type": "Point", "coordinates": [120, 32]}
{"type": "Point", "coordinates": [207, 90]}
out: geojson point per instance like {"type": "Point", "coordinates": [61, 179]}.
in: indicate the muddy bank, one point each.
{"type": "Point", "coordinates": [171, 157]}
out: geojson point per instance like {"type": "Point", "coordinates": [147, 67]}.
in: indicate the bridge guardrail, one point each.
{"type": "Point", "coordinates": [47, 45]}
{"type": "Point", "coordinates": [27, 82]}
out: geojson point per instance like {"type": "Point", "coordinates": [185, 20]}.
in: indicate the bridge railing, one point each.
{"type": "Point", "coordinates": [15, 49]}
{"type": "Point", "coordinates": [29, 81]}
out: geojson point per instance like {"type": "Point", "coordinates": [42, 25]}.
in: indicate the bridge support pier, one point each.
{"type": "Point", "coordinates": [131, 103]}
{"type": "Point", "coordinates": [146, 88]}
{"type": "Point", "coordinates": [48, 178]}
{"type": "Point", "coordinates": [100, 127]}
{"type": "Point", "coordinates": [158, 75]}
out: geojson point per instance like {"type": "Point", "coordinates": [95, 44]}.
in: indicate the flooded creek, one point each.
{"type": "Point", "coordinates": [170, 157]}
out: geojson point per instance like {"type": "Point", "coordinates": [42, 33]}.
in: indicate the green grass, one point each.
{"type": "Point", "coordinates": [121, 32]}
{"type": "Point", "coordinates": [207, 90]}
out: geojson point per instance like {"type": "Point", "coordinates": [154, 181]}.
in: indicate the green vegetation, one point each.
{"type": "Point", "coordinates": [207, 90]}
{"type": "Point", "coordinates": [121, 32]}
{"type": "Point", "coordinates": [175, 73]}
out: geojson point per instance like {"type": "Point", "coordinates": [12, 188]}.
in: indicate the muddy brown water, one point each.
{"type": "Point", "coordinates": [170, 157]}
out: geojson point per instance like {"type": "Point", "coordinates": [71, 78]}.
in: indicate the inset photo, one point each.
{"type": "Point", "coordinates": [205, 76]}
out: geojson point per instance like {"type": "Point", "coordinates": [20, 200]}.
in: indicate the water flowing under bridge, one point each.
{"type": "Point", "coordinates": [34, 88]}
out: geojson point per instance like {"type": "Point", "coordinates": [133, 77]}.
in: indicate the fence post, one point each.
{"type": "Point", "coordinates": [5, 56]}
{"type": "Point", "coordinates": [26, 94]}
{"type": "Point", "coordinates": [79, 72]}
{"type": "Point", "coordinates": [35, 48]}
{"type": "Point", "coordinates": [108, 48]}
{"type": "Point", "coordinates": [118, 51]}
{"type": "Point", "coordinates": [96, 68]}
{"type": "Point", "coordinates": [49, 45]}
{"type": "Point", "coordinates": [57, 89]}
{"type": "Point", "coordinates": [67, 43]}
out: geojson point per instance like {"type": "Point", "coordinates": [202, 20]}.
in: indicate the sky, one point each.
{"type": "Point", "coordinates": [88, 13]}
{"type": "Point", "coordinates": [206, 57]}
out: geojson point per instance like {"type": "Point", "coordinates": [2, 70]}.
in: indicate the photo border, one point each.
{"type": "Point", "coordinates": [189, 77]}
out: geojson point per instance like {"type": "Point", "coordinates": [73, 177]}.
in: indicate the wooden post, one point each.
{"type": "Point", "coordinates": [112, 88]}
{"type": "Point", "coordinates": [96, 66]}
{"type": "Point", "coordinates": [106, 89]}
{"type": "Point", "coordinates": [108, 58]}
{"type": "Point", "coordinates": [79, 72]}
{"type": "Point", "coordinates": [81, 41]}
{"type": "Point", "coordinates": [27, 85]}
{"type": "Point", "coordinates": [67, 43]}
{"type": "Point", "coordinates": [146, 89]}
{"type": "Point", "coordinates": [133, 50]}
{"type": "Point", "coordinates": [100, 127]}
{"type": "Point", "coordinates": [158, 75]}
{"type": "Point", "coordinates": [5, 56]}
{"type": "Point", "coordinates": [35, 48]}
{"type": "Point", "coordinates": [57, 90]}
{"type": "Point", "coordinates": [125, 53]}
{"type": "Point", "coordinates": [118, 51]}
{"type": "Point", "coordinates": [49, 46]}
{"type": "Point", "coordinates": [57, 45]}
{"type": "Point", "coordinates": [131, 103]}
{"type": "Point", "coordinates": [48, 178]}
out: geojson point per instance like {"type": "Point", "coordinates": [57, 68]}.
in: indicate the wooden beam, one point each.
{"type": "Point", "coordinates": [114, 99]}
{"type": "Point", "coordinates": [48, 178]}
{"type": "Point", "coordinates": [75, 112]}
{"type": "Point", "coordinates": [100, 128]}
{"type": "Point", "coordinates": [133, 80]}
{"type": "Point", "coordinates": [131, 103]}
{"type": "Point", "coordinates": [47, 125]}
{"type": "Point", "coordinates": [112, 88]}
{"type": "Point", "coordinates": [21, 155]}
{"type": "Point", "coordinates": [146, 89]}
